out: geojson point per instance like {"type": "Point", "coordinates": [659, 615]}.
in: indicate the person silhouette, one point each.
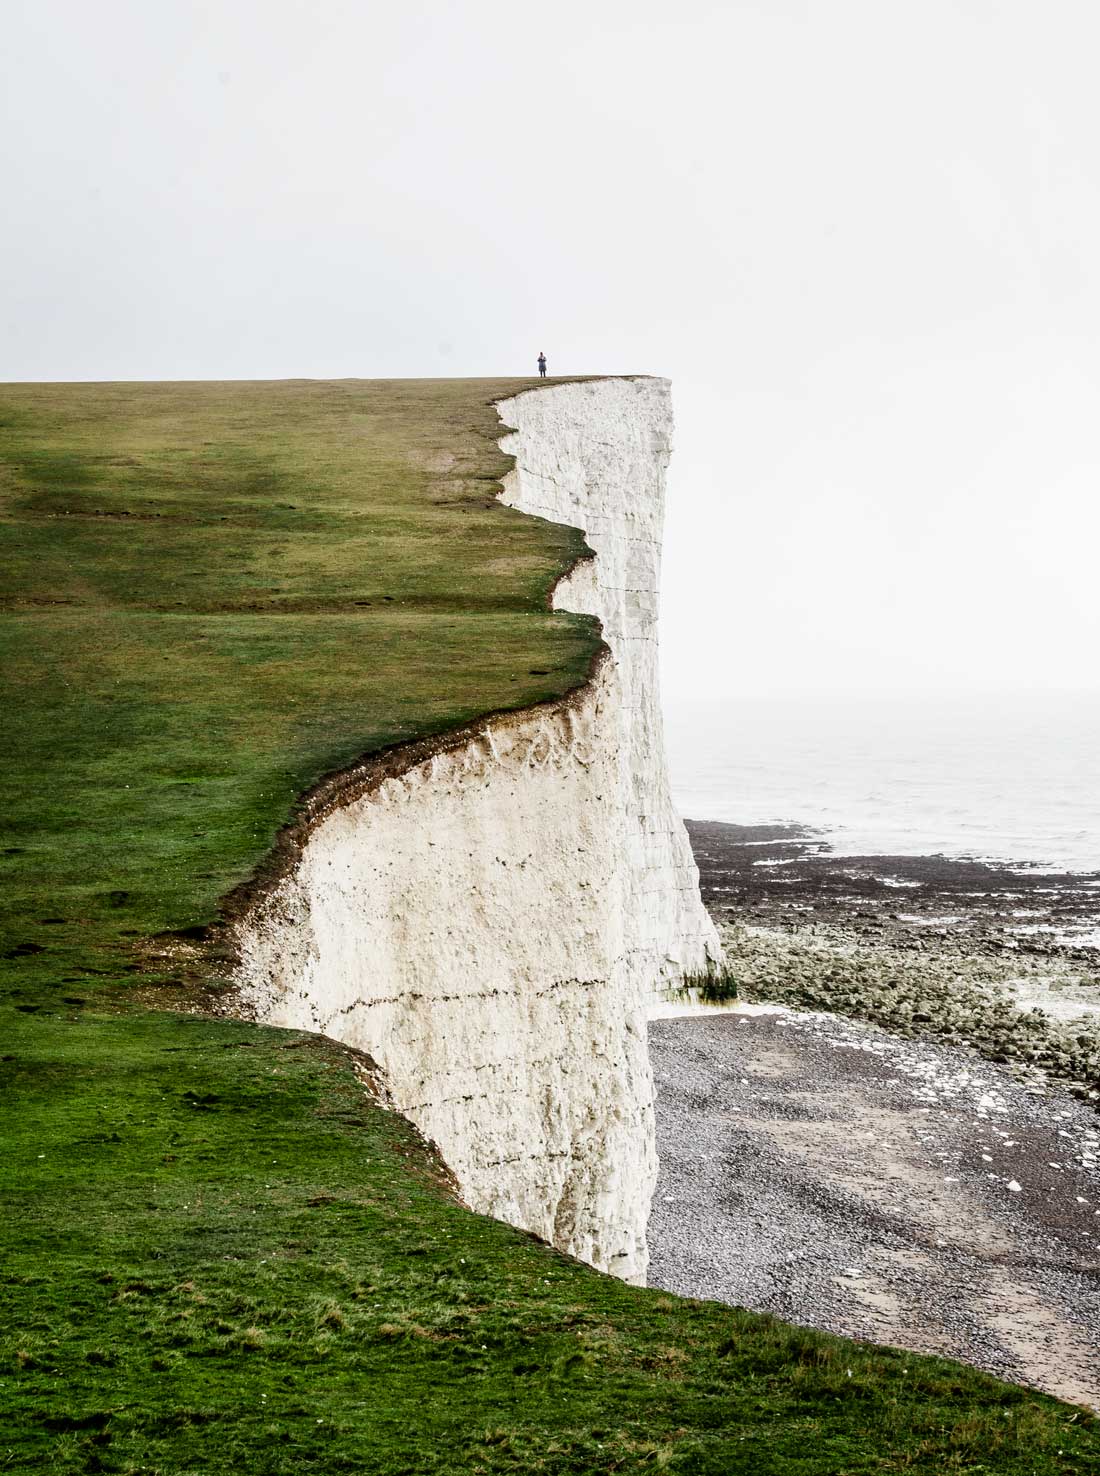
{"type": "Point", "coordinates": [542, 365]}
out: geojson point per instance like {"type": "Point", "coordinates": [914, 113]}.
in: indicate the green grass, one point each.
{"type": "Point", "coordinates": [217, 1254]}
{"type": "Point", "coordinates": [219, 592]}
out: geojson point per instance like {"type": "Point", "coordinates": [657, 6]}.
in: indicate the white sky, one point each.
{"type": "Point", "coordinates": [860, 236]}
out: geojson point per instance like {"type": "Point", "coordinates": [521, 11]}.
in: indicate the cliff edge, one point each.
{"type": "Point", "coordinates": [492, 914]}
{"type": "Point", "coordinates": [219, 1250]}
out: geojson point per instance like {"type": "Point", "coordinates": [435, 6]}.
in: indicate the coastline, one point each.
{"type": "Point", "coordinates": [892, 1132]}
{"type": "Point", "coordinates": [964, 952]}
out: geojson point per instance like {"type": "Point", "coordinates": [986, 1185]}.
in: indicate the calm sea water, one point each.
{"type": "Point", "coordinates": [1006, 777]}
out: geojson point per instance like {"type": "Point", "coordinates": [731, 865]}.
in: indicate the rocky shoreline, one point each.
{"type": "Point", "coordinates": [891, 1131]}
{"type": "Point", "coordinates": [1005, 960]}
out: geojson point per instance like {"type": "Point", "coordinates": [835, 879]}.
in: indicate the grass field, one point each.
{"type": "Point", "coordinates": [217, 1254]}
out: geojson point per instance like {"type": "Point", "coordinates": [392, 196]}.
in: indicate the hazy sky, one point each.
{"type": "Point", "coordinates": [861, 237]}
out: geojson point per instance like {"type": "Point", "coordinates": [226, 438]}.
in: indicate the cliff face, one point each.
{"type": "Point", "coordinates": [491, 921]}
{"type": "Point", "coordinates": [594, 456]}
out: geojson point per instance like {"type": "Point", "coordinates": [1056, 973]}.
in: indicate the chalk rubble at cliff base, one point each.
{"type": "Point", "coordinates": [1036, 1017]}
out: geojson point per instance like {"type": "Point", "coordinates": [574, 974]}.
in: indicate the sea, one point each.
{"type": "Point", "coordinates": [1009, 777]}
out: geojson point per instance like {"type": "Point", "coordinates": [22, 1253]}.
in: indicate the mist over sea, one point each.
{"type": "Point", "coordinates": [1011, 777]}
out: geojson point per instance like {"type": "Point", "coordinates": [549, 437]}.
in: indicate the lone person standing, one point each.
{"type": "Point", "coordinates": [542, 365]}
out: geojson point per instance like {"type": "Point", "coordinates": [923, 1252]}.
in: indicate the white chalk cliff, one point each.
{"type": "Point", "coordinates": [490, 917]}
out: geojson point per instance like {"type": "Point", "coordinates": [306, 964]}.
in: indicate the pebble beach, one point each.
{"type": "Point", "coordinates": [893, 1132]}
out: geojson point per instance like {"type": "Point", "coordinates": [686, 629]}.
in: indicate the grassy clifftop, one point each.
{"type": "Point", "coordinates": [219, 592]}
{"type": "Point", "coordinates": [217, 1254]}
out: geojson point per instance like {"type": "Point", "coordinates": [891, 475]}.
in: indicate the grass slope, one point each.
{"type": "Point", "coordinates": [218, 1255]}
